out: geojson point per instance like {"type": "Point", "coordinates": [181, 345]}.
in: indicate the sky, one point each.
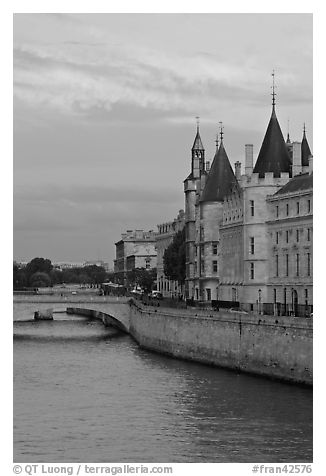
{"type": "Point", "coordinates": [105, 107]}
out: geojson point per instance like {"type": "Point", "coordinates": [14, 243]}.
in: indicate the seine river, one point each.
{"type": "Point", "coordinates": [85, 393]}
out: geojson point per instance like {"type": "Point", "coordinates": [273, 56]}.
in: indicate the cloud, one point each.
{"type": "Point", "coordinates": [78, 196]}
{"type": "Point", "coordinates": [82, 77]}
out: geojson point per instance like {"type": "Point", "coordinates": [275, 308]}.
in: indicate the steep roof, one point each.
{"type": "Point", "coordinates": [273, 155]}
{"type": "Point", "coordinates": [198, 145]}
{"type": "Point", "coordinates": [296, 184]}
{"type": "Point", "coordinates": [220, 180]}
{"type": "Point", "coordinates": [305, 150]}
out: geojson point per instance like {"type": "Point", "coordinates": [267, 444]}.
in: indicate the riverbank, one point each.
{"type": "Point", "coordinates": [274, 347]}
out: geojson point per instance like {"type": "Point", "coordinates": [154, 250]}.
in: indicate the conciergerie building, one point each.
{"type": "Point", "coordinates": [249, 232]}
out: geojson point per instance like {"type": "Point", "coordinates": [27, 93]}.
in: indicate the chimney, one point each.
{"type": "Point", "coordinates": [237, 170]}
{"type": "Point", "coordinates": [208, 166]}
{"type": "Point", "coordinates": [202, 181]}
{"type": "Point", "coordinates": [296, 159]}
{"type": "Point", "coordinates": [310, 164]}
{"type": "Point", "coordinates": [249, 154]}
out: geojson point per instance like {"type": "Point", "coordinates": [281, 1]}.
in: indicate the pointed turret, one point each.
{"type": "Point", "coordinates": [221, 179]}
{"type": "Point", "coordinates": [197, 155]}
{"type": "Point", "coordinates": [198, 145]}
{"type": "Point", "coordinates": [273, 156]}
{"type": "Point", "coordinates": [288, 140]}
{"type": "Point", "coordinates": [305, 149]}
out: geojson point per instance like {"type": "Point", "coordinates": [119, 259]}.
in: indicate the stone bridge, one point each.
{"type": "Point", "coordinates": [112, 311]}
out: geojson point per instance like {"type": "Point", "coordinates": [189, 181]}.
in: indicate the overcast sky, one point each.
{"type": "Point", "coordinates": [104, 115]}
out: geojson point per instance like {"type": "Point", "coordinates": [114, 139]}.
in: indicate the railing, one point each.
{"type": "Point", "coordinates": [267, 308]}
{"type": "Point", "coordinates": [279, 309]}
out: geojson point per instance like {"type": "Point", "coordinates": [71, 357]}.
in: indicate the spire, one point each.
{"type": "Point", "coordinates": [221, 179]}
{"type": "Point", "coordinates": [288, 141]}
{"type": "Point", "coordinates": [198, 145]}
{"type": "Point", "coordinates": [221, 131]}
{"type": "Point", "coordinates": [216, 141]}
{"type": "Point", "coordinates": [305, 149]}
{"type": "Point", "coordinates": [273, 156]}
{"type": "Point", "coordinates": [273, 90]}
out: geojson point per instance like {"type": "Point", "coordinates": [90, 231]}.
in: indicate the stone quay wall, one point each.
{"type": "Point", "coordinates": [278, 348]}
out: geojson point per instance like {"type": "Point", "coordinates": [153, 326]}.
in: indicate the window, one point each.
{"type": "Point", "coordinates": [252, 208]}
{"type": "Point", "coordinates": [148, 263]}
{"type": "Point", "coordinates": [308, 234]}
{"type": "Point", "coordinates": [276, 265]}
{"type": "Point", "coordinates": [309, 206]}
{"type": "Point", "coordinates": [276, 211]}
{"type": "Point", "coordinates": [202, 265]}
{"type": "Point", "coordinates": [234, 294]}
{"type": "Point", "coordinates": [276, 237]}
{"type": "Point", "coordinates": [287, 209]}
{"type": "Point", "coordinates": [214, 247]}
{"type": "Point", "coordinates": [308, 264]}
{"type": "Point", "coordinates": [298, 235]}
{"type": "Point", "coordinates": [298, 264]}
{"type": "Point", "coordinates": [286, 265]}
{"type": "Point", "coordinates": [298, 208]}
{"type": "Point", "coordinates": [252, 271]}
{"type": "Point", "coordinates": [214, 266]}
{"type": "Point", "coordinates": [287, 236]}
{"type": "Point", "coordinates": [208, 294]}
{"type": "Point", "coordinates": [252, 245]}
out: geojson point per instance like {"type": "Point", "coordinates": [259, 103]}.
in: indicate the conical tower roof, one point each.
{"type": "Point", "coordinates": [220, 180]}
{"type": "Point", "coordinates": [273, 155]}
{"type": "Point", "coordinates": [198, 145]}
{"type": "Point", "coordinates": [305, 150]}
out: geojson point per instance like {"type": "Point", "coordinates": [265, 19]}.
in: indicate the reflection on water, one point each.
{"type": "Point", "coordinates": [83, 392]}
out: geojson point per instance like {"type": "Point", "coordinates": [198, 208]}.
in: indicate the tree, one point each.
{"type": "Point", "coordinates": [19, 277]}
{"type": "Point", "coordinates": [142, 277]}
{"type": "Point", "coordinates": [38, 265]}
{"type": "Point", "coordinates": [56, 276]}
{"type": "Point", "coordinates": [96, 273]}
{"type": "Point", "coordinates": [174, 258]}
{"type": "Point", "coordinates": [39, 280]}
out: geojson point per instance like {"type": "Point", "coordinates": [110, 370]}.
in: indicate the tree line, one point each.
{"type": "Point", "coordinates": [174, 258]}
{"type": "Point", "coordinates": [40, 272]}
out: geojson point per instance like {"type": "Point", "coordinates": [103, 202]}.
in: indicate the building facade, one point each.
{"type": "Point", "coordinates": [232, 227]}
{"type": "Point", "coordinates": [290, 246]}
{"type": "Point", "coordinates": [136, 249]}
{"type": "Point", "coordinates": [164, 237]}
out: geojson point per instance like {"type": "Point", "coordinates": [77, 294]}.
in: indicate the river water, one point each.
{"type": "Point", "coordinates": [86, 393]}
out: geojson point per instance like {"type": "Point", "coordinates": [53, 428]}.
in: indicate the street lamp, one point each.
{"type": "Point", "coordinates": [259, 301]}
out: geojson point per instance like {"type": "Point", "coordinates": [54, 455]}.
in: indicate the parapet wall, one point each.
{"type": "Point", "coordinates": [279, 348]}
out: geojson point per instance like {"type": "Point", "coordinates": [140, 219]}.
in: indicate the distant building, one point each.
{"type": "Point", "coordinates": [136, 249]}
{"type": "Point", "coordinates": [68, 265]}
{"type": "Point", "coordinates": [101, 263]}
{"type": "Point", "coordinates": [164, 237]}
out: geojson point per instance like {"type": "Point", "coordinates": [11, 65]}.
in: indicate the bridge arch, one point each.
{"type": "Point", "coordinates": [105, 317]}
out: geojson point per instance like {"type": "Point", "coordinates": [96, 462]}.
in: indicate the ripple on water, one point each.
{"type": "Point", "coordinates": [83, 393]}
